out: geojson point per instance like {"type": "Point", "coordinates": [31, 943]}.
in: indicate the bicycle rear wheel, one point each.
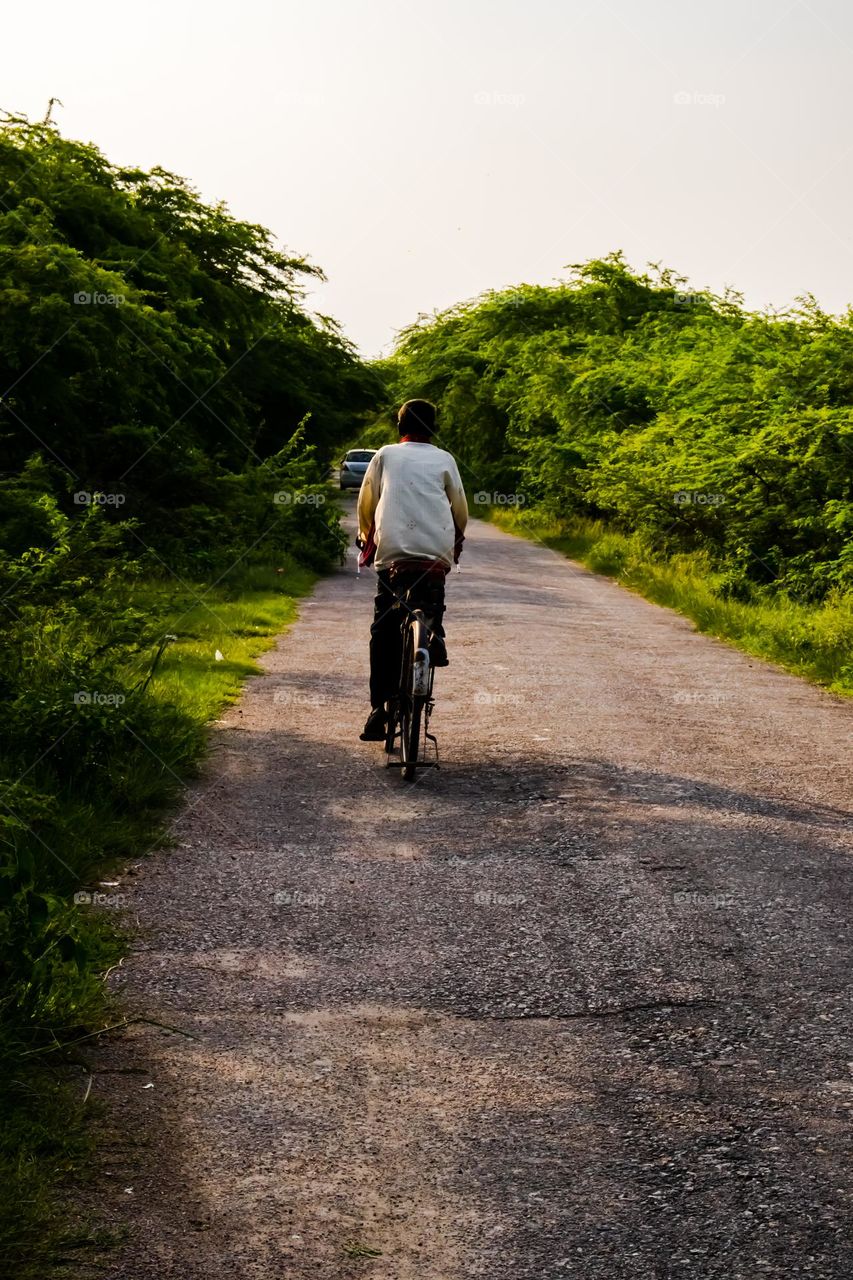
{"type": "Point", "coordinates": [413, 695]}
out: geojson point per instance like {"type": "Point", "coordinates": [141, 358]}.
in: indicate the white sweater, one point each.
{"type": "Point", "coordinates": [413, 496]}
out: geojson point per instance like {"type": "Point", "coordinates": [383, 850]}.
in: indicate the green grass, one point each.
{"type": "Point", "coordinates": [47, 1146]}
{"type": "Point", "coordinates": [815, 641]}
{"type": "Point", "coordinates": [98, 823]}
{"type": "Point", "coordinates": [237, 619]}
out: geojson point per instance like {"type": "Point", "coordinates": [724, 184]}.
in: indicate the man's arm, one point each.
{"type": "Point", "coordinates": [368, 496]}
{"type": "Point", "coordinates": [456, 496]}
{"type": "Point", "coordinates": [458, 506]}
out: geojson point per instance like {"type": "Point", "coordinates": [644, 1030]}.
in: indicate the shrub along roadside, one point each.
{"type": "Point", "coordinates": [168, 409]}
{"type": "Point", "coordinates": [699, 452]}
{"type": "Point", "coordinates": [659, 410]}
{"type": "Point", "coordinates": [92, 803]}
{"type": "Point", "coordinates": [811, 640]}
{"type": "Point", "coordinates": [153, 348]}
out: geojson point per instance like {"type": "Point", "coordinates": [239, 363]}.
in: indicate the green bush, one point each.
{"type": "Point", "coordinates": [631, 400]}
{"type": "Point", "coordinates": [170, 414]}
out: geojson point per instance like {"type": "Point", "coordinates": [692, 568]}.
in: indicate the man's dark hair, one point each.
{"type": "Point", "coordinates": [416, 417]}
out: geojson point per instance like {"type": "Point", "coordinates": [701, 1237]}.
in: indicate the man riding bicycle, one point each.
{"type": "Point", "coordinates": [412, 515]}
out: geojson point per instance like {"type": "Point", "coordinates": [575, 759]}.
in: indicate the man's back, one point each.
{"type": "Point", "coordinates": [412, 497]}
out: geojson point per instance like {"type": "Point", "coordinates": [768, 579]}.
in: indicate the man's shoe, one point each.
{"type": "Point", "coordinates": [438, 652]}
{"type": "Point", "coordinates": [374, 730]}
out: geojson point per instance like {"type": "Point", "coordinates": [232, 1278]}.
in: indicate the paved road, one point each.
{"type": "Point", "coordinates": [577, 1005]}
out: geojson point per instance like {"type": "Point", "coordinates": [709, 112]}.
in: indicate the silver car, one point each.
{"type": "Point", "coordinates": [354, 466]}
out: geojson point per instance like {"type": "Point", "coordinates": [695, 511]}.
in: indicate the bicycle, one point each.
{"type": "Point", "coordinates": [409, 712]}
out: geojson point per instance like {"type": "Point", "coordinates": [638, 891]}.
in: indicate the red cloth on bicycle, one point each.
{"type": "Point", "coordinates": [424, 568]}
{"type": "Point", "coordinates": [368, 552]}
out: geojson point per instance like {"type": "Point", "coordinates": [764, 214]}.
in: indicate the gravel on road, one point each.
{"type": "Point", "coordinates": [574, 1005]}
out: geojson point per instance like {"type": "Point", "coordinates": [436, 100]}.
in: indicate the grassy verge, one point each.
{"type": "Point", "coordinates": [236, 620]}
{"type": "Point", "coordinates": [103, 809]}
{"type": "Point", "coordinates": [815, 641]}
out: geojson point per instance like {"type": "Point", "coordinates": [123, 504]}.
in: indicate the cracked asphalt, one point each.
{"type": "Point", "coordinates": [574, 1005]}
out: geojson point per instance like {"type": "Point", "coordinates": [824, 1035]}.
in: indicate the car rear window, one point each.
{"type": "Point", "coordinates": [360, 455]}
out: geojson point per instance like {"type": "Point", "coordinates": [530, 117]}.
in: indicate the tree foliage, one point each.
{"type": "Point", "coordinates": [630, 398]}
{"type": "Point", "coordinates": [168, 409]}
{"type": "Point", "coordinates": [155, 347]}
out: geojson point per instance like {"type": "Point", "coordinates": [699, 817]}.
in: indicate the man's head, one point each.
{"type": "Point", "coordinates": [417, 418]}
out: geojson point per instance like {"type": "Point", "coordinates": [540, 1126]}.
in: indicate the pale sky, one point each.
{"type": "Point", "coordinates": [421, 153]}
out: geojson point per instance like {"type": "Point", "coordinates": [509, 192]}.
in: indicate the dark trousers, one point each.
{"type": "Point", "coordinates": [386, 641]}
